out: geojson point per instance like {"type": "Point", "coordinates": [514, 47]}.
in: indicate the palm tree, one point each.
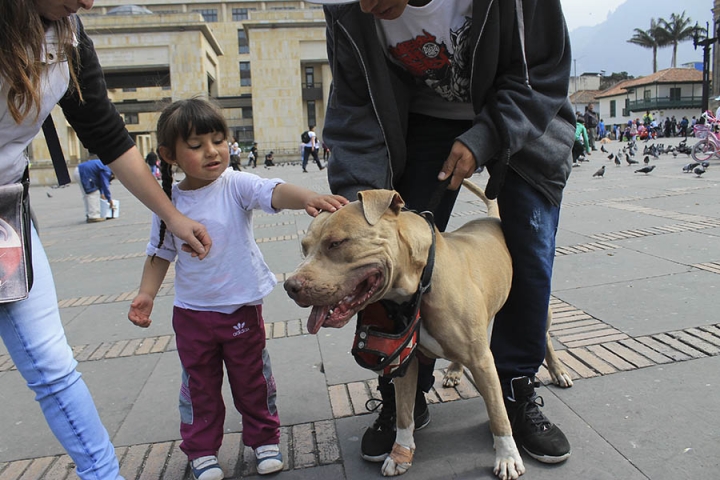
{"type": "Point", "coordinates": [653, 38]}
{"type": "Point", "coordinates": [677, 30]}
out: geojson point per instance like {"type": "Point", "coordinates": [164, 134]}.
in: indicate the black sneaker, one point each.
{"type": "Point", "coordinates": [533, 432]}
{"type": "Point", "coordinates": [378, 440]}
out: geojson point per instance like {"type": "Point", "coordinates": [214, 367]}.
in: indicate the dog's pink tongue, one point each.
{"type": "Point", "coordinates": [317, 317]}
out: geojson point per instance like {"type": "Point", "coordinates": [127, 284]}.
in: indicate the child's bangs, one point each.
{"type": "Point", "coordinates": [202, 118]}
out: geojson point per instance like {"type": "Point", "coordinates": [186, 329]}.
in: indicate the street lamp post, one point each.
{"type": "Point", "coordinates": [706, 43]}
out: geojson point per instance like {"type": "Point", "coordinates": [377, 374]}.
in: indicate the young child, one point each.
{"type": "Point", "coordinates": [217, 314]}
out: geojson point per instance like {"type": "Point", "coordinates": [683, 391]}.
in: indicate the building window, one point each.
{"type": "Point", "coordinates": [131, 119]}
{"type": "Point", "coordinates": [245, 78]}
{"type": "Point", "coordinates": [247, 112]}
{"type": "Point", "coordinates": [239, 14]}
{"type": "Point", "coordinates": [243, 46]}
{"type": "Point", "coordinates": [129, 89]}
{"type": "Point", "coordinates": [209, 14]}
{"type": "Point", "coordinates": [613, 108]}
{"type": "Point", "coordinates": [312, 118]}
{"type": "Point", "coordinates": [647, 95]}
{"type": "Point", "coordinates": [309, 77]}
{"type": "Point", "coordinates": [675, 94]}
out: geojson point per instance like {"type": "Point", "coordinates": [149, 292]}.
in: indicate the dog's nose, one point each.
{"type": "Point", "coordinates": [292, 286]}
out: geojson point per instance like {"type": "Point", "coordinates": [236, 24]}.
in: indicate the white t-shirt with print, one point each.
{"type": "Point", "coordinates": [234, 272]}
{"type": "Point", "coordinates": [432, 43]}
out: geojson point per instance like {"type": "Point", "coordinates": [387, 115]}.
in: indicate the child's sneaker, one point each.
{"type": "Point", "coordinates": [206, 468]}
{"type": "Point", "coordinates": [268, 459]}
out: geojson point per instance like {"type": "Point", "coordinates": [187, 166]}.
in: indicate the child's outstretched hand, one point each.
{"type": "Point", "coordinates": [140, 310]}
{"type": "Point", "coordinates": [324, 203]}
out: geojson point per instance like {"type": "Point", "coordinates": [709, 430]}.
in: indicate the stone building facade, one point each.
{"type": "Point", "coordinates": [264, 62]}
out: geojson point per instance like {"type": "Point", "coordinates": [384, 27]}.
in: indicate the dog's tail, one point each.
{"type": "Point", "coordinates": [492, 206]}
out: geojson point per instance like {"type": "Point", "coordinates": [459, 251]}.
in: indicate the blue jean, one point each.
{"type": "Point", "coordinates": [34, 336]}
{"type": "Point", "coordinates": [529, 223]}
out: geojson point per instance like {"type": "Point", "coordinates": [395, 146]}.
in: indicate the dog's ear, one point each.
{"type": "Point", "coordinates": [376, 202]}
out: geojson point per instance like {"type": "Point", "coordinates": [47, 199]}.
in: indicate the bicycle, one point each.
{"type": "Point", "coordinates": [709, 145]}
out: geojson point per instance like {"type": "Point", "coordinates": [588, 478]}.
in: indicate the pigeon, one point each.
{"type": "Point", "coordinates": [689, 167]}
{"type": "Point", "coordinates": [705, 164]}
{"type": "Point", "coordinates": [645, 170]}
{"type": "Point", "coordinates": [48, 194]}
{"type": "Point", "coordinates": [629, 160]}
{"type": "Point", "coordinates": [611, 156]}
{"type": "Point", "coordinates": [600, 172]}
{"type": "Point", "coordinates": [699, 171]}
{"type": "Point", "coordinates": [603, 149]}
{"type": "Point", "coordinates": [617, 161]}
{"type": "Point", "coordinates": [646, 159]}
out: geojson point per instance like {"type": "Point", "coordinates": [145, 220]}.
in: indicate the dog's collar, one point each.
{"type": "Point", "coordinates": [430, 265]}
{"type": "Point", "coordinates": [388, 333]}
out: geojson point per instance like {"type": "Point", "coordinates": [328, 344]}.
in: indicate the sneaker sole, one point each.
{"type": "Point", "coordinates": [374, 459]}
{"type": "Point", "coordinates": [546, 458]}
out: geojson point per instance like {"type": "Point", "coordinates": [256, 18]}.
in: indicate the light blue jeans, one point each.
{"type": "Point", "coordinates": [33, 334]}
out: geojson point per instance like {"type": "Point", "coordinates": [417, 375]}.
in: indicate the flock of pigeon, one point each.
{"type": "Point", "coordinates": [629, 151]}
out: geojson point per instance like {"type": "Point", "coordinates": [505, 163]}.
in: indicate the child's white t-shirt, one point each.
{"type": "Point", "coordinates": [234, 272]}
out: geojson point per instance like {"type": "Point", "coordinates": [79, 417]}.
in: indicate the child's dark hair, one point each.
{"type": "Point", "coordinates": [178, 121]}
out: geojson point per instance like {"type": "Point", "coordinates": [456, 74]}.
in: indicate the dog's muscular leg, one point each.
{"type": "Point", "coordinates": [559, 375]}
{"type": "Point", "coordinates": [508, 463]}
{"type": "Point", "coordinates": [401, 456]}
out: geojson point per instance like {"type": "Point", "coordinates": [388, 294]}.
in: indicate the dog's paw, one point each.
{"type": "Point", "coordinates": [398, 462]}
{"type": "Point", "coordinates": [453, 374]}
{"type": "Point", "coordinates": [508, 463]}
{"type": "Point", "coordinates": [560, 377]}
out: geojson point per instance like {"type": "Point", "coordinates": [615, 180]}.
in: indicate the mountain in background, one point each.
{"type": "Point", "coordinates": [605, 47]}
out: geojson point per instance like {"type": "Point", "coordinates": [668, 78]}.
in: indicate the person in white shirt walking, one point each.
{"type": "Point", "coordinates": [310, 147]}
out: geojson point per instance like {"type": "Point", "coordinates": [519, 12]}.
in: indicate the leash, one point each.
{"type": "Point", "coordinates": [438, 194]}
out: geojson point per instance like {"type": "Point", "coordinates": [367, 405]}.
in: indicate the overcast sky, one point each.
{"type": "Point", "coordinates": [584, 13]}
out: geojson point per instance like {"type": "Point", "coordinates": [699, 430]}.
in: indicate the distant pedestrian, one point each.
{"type": "Point", "coordinates": [94, 177]}
{"type": "Point", "coordinates": [269, 160]}
{"type": "Point", "coordinates": [252, 156]}
{"type": "Point", "coordinates": [591, 123]}
{"type": "Point", "coordinates": [310, 147]}
{"type": "Point", "coordinates": [151, 159]}
{"type": "Point", "coordinates": [235, 152]}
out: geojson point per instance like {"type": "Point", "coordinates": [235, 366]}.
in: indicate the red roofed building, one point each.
{"type": "Point", "coordinates": [671, 92]}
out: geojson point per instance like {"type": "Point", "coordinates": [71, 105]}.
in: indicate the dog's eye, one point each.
{"type": "Point", "coordinates": [335, 244]}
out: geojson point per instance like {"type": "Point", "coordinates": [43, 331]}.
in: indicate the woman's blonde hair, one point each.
{"type": "Point", "coordinates": [22, 39]}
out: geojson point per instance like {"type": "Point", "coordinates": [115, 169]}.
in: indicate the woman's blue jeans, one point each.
{"type": "Point", "coordinates": [34, 336]}
{"type": "Point", "coordinates": [529, 222]}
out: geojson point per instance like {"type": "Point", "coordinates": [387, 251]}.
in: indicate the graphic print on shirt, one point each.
{"type": "Point", "coordinates": [432, 62]}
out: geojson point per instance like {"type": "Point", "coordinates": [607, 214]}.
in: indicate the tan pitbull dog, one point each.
{"type": "Point", "coordinates": [370, 250]}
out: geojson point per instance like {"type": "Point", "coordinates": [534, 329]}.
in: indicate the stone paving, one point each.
{"type": "Point", "coordinates": [637, 266]}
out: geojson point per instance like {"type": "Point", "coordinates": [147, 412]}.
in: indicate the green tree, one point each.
{"type": "Point", "coordinates": [652, 38]}
{"type": "Point", "coordinates": [614, 78]}
{"type": "Point", "coordinates": [678, 29]}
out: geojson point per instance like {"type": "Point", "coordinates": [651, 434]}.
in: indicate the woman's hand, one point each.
{"type": "Point", "coordinates": [194, 234]}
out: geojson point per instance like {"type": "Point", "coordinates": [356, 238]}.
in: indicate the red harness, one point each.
{"type": "Point", "coordinates": [388, 333]}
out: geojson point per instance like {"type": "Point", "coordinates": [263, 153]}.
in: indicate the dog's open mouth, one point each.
{"type": "Point", "coordinates": [336, 316]}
